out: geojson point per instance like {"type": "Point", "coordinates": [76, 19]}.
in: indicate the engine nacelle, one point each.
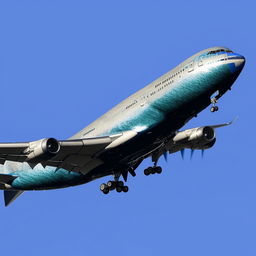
{"type": "Point", "coordinates": [42, 149]}
{"type": "Point", "coordinates": [205, 146]}
{"type": "Point", "coordinates": [197, 138]}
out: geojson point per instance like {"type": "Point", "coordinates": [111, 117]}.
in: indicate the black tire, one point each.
{"type": "Point", "coordinates": [105, 190]}
{"type": "Point", "coordinates": [216, 108]}
{"type": "Point", "coordinates": [125, 189]}
{"type": "Point", "coordinates": [118, 189]}
{"type": "Point", "coordinates": [146, 172]}
{"type": "Point", "coordinates": [158, 169]}
{"type": "Point", "coordinates": [213, 109]}
{"type": "Point", "coordinates": [103, 186]}
{"type": "Point", "coordinates": [153, 170]}
{"type": "Point", "coordinates": [111, 184]}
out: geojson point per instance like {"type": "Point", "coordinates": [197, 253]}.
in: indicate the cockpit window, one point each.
{"type": "Point", "coordinates": [216, 51]}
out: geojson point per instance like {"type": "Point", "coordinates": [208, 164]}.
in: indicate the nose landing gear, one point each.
{"type": "Point", "coordinates": [214, 108]}
{"type": "Point", "coordinates": [215, 99]}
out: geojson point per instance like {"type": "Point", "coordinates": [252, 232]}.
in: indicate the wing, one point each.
{"type": "Point", "coordinates": [225, 124]}
{"type": "Point", "coordinates": [200, 138]}
{"type": "Point", "coordinates": [73, 155]}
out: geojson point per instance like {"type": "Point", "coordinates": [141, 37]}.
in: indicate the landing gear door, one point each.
{"type": "Point", "coordinates": [191, 66]}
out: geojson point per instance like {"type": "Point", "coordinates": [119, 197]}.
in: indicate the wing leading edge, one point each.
{"type": "Point", "coordinates": [73, 155]}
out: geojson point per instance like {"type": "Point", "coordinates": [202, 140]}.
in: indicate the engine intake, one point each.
{"type": "Point", "coordinates": [202, 135]}
{"type": "Point", "coordinates": [197, 138]}
{"type": "Point", "coordinates": [42, 149]}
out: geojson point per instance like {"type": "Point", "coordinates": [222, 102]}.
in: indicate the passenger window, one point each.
{"type": "Point", "coordinates": [191, 66]}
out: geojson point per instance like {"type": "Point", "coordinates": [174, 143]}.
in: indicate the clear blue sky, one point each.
{"type": "Point", "coordinates": [64, 63]}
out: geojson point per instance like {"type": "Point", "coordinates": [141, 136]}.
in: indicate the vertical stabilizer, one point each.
{"type": "Point", "coordinates": [10, 196]}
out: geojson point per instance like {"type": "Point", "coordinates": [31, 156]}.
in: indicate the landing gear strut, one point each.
{"type": "Point", "coordinates": [154, 169]}
{"type": "Point", "coordinates": [214, 101]}
{"type": "Point", "coordinates": [114, 185]}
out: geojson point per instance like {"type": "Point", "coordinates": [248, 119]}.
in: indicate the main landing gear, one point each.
{"type": "Point", "coordinates": [153, 170]}
{"type": "Point", "coordinates": [114, 185]}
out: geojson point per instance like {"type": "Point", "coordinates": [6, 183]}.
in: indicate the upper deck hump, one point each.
{"type": "Point", "coordinates": [116, 109]}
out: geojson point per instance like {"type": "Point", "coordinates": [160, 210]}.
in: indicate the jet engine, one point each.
{"type": "Point", "coordinates": [196, 138]}
{"type": "Point", "coordinates": [42, 149]}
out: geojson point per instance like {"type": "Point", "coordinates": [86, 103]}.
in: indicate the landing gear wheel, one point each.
{"type": "Point", "coordinates": [147, 171]}
{"type": "Point", "coordinates": [158, 170]}
{"type": "Point", "coordinates": [111, 184]}
{"type": "Point", "coordinates": [105, 191]}
{"type": "Point", "coordinates": [214, 108]}
{"type": "Point", "coordinates": [153, 170]}
{"type": "Point", "coordinates": [115, 184]}
{"type": "Point", "coordinates": [104, 188]}
{"type": "Point", "coordinates": [125, 189]}
{"type": "Point", "coordinates": [118, 189]}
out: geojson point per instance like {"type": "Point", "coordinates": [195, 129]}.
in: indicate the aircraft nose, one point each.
{"type": "Point", "coordinates": [238, 62]}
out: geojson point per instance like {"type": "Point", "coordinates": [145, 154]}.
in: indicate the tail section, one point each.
{"type": "Point", "coordinates": [10, 196]}
{"type": "Point", "coordinates": [7, 178]}
{"type": "Point", "coordinates": [5, 183]}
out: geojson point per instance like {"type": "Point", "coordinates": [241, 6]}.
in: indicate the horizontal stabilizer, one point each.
{"type": "Point", "coordinates": [10, 196]}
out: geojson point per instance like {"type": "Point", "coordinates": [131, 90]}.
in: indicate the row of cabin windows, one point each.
{"type": "Point", "coordinates": [133, 103]}
{"type": "Point", "coordinates": [157, 85]}
{"type": "Point", "coordinates": [163, 86]}
{"type": "Point", "coordinates": [175, 74]}
{"type": "Point", "coordinates": [164, 83]}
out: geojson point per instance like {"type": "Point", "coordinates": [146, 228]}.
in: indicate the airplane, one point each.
{"type": "Point", "coordinates": [146, 124]}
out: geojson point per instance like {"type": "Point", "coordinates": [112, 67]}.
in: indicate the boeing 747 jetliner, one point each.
{"type": "Point", "coordinates": [147, 124]}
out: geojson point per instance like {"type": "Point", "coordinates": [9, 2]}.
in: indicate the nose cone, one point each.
{"type": "Point", "coordinates": [237, 62]}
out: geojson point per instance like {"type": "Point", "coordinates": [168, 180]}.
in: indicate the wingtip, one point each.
{"type": "Point", "coordinates": [225, 124]}
{"type": "Point", "coordinates": [234, 119]}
